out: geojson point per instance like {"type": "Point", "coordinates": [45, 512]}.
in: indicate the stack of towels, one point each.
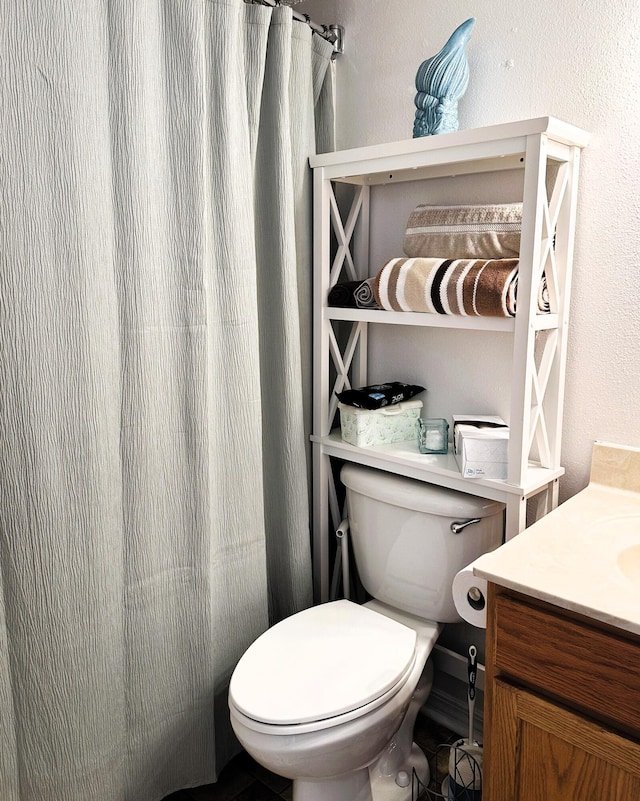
{"type": "Point", "coordinates": [458, 260]}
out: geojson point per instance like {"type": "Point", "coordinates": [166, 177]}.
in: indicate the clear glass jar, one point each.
{"type": "Point", "coordinates": [433, 435]}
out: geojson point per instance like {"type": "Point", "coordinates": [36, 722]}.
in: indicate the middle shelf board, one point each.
{"type": "Point", "coordinates": [404, 458]}
{"type": "Point", "coordinates": [541, 322]}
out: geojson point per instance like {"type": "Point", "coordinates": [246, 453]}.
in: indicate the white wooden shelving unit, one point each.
{"type": "Point", "coordinates": [341, 251]}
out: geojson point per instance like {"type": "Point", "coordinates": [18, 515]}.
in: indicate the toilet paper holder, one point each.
{"type": "Point", "coordinates": [476, 599]}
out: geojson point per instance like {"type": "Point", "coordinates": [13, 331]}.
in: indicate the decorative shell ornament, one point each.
{"type": "Point", "coordinates": [441, 81]}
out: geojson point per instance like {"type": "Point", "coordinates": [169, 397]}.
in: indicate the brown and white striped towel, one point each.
{"type": "Point", "coordinates": [470, 287]}
{"type": "Point", "coordinates": [464, 232]}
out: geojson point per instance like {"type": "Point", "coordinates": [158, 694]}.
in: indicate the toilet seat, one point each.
{"type": "Point", "coordinates": [322, 666]}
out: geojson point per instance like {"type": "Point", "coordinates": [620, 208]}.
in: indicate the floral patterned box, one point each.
{"type": "Point", "coordinates": [395, 423]}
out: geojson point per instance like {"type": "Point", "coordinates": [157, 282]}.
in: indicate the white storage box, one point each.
{"type": "Point", "coordinates": [480, 445]}
{"type": "Point", "coordinates": [368, 427]}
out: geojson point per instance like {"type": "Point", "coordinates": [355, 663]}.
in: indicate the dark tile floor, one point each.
{"type": "Point", "coordinates": [244, 780]}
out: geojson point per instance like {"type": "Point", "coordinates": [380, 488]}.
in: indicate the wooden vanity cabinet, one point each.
{"type": "Point", "coordinates": [562, 705]}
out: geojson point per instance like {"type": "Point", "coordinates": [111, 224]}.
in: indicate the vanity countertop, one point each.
{"type": "Point", "coordinates": [584, 556]}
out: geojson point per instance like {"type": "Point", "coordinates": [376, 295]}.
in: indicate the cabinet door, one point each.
{"type": "Point", "coordinates": [543, 752]}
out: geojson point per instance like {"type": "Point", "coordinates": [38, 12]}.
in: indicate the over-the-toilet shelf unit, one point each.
{"type": "Point", "coordinates": [537, 379]}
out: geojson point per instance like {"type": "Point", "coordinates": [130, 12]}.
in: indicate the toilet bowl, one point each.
{"type": "Point", "coordinates": [322, 718]}
{"type": "Point", "coordinates": [329, 696]}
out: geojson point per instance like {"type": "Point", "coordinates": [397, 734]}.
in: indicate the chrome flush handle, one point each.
{"type": "Point", "coordinates": [459, 525]}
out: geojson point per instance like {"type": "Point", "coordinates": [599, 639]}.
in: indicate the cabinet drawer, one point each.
{"type": "Point", "coordinates": [569, 660]}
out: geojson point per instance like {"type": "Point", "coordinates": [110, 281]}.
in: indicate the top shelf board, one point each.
{"type": "Point", "coordinates": [489, 149]}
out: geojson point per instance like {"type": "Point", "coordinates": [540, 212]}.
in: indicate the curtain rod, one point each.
{"type": "Point", "coordinates": [332, 33]}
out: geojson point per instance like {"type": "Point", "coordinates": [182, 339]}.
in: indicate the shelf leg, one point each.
{"type": "Point", "coordinates": [321, 468]}
{"type": "Point", "coordinates": [516, 517]}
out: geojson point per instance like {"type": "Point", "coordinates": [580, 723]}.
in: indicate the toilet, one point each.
{"type": "Point", "coordinates": [329, 696]}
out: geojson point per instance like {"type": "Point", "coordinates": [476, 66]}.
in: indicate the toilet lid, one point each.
{"type": "Point", "coordinates": [320, 663]}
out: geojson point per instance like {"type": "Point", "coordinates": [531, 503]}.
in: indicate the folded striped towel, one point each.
{"type": "Point", "coordinates": [470, 287]}
{"type": "Point", "coordinates": [464, 232]}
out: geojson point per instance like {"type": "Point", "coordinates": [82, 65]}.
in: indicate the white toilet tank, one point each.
{"type": "Point", "coordinates": [405, 550]}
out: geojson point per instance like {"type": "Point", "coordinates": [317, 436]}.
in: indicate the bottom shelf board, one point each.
{"type": "Point", "coordinates": [404, 458]}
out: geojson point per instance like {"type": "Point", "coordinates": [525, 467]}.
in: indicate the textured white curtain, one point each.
{"type": "Point", "coordinates": [155, 255]}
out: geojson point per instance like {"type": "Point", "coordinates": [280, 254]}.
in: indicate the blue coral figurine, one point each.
{"type": "Point", "coordinates": [441, 81]}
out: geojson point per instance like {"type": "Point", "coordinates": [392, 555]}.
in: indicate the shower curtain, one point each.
{"type": "Point", "coordinates": [155, 253]}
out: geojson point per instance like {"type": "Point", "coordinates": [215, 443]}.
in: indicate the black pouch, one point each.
{"type": "Point", "coordinates": [378, 395]}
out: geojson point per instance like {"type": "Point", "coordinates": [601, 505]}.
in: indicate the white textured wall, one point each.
{"type": "Point", "coordinates": [577, 60]}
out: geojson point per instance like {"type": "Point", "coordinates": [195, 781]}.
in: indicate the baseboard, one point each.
{"type": "Point", "coordinates": [448, 711]}
{"type": "Point", "coordinates": [448, 703]}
